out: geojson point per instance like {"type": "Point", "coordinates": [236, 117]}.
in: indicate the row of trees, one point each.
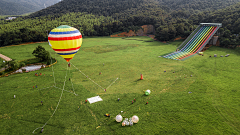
{"type": "Point", "coordinates": [196, 6]}
{"type": "Point", "coordinates": [229, 17]}
{"type": "Point", "coordinates": [133, 14]}
{"type": "Point", "coordinates": [36, 29]}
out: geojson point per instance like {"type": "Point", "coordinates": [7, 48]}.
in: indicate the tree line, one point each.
{"type": "Point", "coordinates": [22, 30]}
{"type": "Point", "coordinates": [102, 20]}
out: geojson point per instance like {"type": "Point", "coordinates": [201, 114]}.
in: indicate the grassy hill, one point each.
{"type": "Point", "coordinates": [206, 103]}
{"type": "Point", "coordinates": [19, 7]}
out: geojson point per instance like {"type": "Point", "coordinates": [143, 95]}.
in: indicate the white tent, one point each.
{"type": "Point", "coordinates": [94, 99]}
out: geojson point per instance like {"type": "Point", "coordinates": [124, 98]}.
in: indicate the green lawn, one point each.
{"type": "Point", "coordinates": [212, 107]}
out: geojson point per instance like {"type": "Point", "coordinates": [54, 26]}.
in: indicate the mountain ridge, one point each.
{"type": "Point", "coordinates": [19, 7]}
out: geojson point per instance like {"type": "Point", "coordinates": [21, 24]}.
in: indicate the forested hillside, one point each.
{"type": "Point", "coordinates": [230, 19]}
{"type": "Point", "coordinates": [96, 7]}
{"type": "Point", "coordinates": [18, 7]}
{"type": "Point", "coordinates": [171, 19]}
{"type": "Point", "coordinates": [33, 30]}
{"type": "Point", "coordinates": [195, 6]}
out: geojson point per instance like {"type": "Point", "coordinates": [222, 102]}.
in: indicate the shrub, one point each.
{"type": "Point", "coordinates": [22, 64]}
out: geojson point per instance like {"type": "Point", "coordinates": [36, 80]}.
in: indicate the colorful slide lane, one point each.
{"type": "Point", "coordinates": [193, 44]}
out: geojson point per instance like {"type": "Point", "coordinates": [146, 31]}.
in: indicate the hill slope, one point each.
{"type": "Point", "coordinates": [97, 7]}
{"type": "Point", "coordinates": [18, 7]}
{"type": "Point", "coordinates": [196, 5]}
{"type": "Point", "coordinates": [110, 7]}
{"type": "Point", "coordinates": [228, 16]}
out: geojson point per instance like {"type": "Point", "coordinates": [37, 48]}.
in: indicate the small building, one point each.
{"type": "Point", "coordinates": [10, 18]}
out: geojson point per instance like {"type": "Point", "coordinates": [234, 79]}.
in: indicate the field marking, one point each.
{"type": "Point", "coordinates": [88, 77]}
{"type": "Point", "coordinates": [12, 104]}
{"type": "Point", "coordinates": [57, 104]}
{"type": "Point", "coordinates": [70, 92]}
{"type": "Point", "coordinates": [66, 91]}
{"type": "Point", "coordinates": [112, 83]}
{"type": "Point", "coordinates": [94, 81]}
{"type": "Point", "coordinates": [46, 92]}
{"type": "Point", "coordinates": [53, 70]}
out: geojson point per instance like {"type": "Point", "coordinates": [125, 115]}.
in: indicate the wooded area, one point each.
{"type": "Point", "coordinates": [94, 18]}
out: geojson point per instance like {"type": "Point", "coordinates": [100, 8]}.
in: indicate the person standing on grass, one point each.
{"type": "Point", "coordinates": [41, 102]}
{"type": "Point", "coordinates": [41, 130]}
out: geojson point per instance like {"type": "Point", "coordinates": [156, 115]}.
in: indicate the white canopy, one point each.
{"type": "Point", "coordinates": [94, 99]}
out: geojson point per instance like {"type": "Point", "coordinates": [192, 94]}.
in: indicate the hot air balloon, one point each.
{"type": "Point", "coordinates": [65, 41]}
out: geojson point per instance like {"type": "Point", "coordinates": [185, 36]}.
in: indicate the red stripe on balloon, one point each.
{"type": "Point", "coordinates": [64, 38]}
{"type": "Point", "coordinates": [67, 59]}
{"type": "Point", "coordinates": [70, 49]}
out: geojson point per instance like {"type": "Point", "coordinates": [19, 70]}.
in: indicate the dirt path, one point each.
{"type": "Point", "coordinates": [5, 57]}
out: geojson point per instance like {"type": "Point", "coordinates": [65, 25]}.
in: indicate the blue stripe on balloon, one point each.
{"type": "Point", "coordinates": [67, 53]}
{"type": "Point", "coordinates": [65, 32]}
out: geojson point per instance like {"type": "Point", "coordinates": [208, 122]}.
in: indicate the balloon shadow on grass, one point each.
{"type": "Point", "coordinates": [113, 123]}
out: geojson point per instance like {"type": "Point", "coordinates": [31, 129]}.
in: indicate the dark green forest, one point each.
{"type": "Point", "coordinates": [196, 6]}
{"type": "Point", "coordinates": [105, 17]}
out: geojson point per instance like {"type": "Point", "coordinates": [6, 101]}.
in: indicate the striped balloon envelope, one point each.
{"type": "Point", "coordinates": [65, 41]}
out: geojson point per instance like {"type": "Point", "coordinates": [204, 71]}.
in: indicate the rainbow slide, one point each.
{"type": "Point", "coordinates": [195, 42]}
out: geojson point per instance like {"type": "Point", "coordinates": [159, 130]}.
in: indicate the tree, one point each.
{"type": "Point", "coordinates": [13, 64]}
{"type": "Point", "coordinates": [171, 32]}
{"type": "Point", "coordinates": [180, 29]}
{"type": "Point", "coordinates": [41, 53]}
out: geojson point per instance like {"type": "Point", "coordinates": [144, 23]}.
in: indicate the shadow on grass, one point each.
{"type": "Point", "coordinates": [148, 41]}
{"type": "Point", "coordinates": [137, 80]}
{"type": "Point", "coordinates": [38, 106]}
{"type": "Point", "coordinates": [159, 43]}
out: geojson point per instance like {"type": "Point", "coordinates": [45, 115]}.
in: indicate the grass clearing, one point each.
{"type": "Point", "coordinates": [211, 108]}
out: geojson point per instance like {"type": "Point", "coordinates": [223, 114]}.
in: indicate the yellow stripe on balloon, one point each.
{"type": "Point", "coordinates": [63, 30]}
{"type": "Point", "coordinates": [67, 56]}
{"type": "Point", "coordinates": [66, 43]}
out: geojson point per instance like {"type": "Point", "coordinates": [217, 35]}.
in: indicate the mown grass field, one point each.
{"type": "Point", "coordinates": [212, 107]}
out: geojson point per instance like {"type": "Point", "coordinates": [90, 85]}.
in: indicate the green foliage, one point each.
{"type": "Point", "coordinates": [96, 7]}
{"type": "Point", "coordinates": [94, 18]}
{"type": "Point", "coordinates": [13, 64]}
{"type": "Point", "coordinates": [194, 6]}
{"type": "Point", "coordinates": [22, 64]}
{"type": "Point", "coordinates": [41, 53]}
